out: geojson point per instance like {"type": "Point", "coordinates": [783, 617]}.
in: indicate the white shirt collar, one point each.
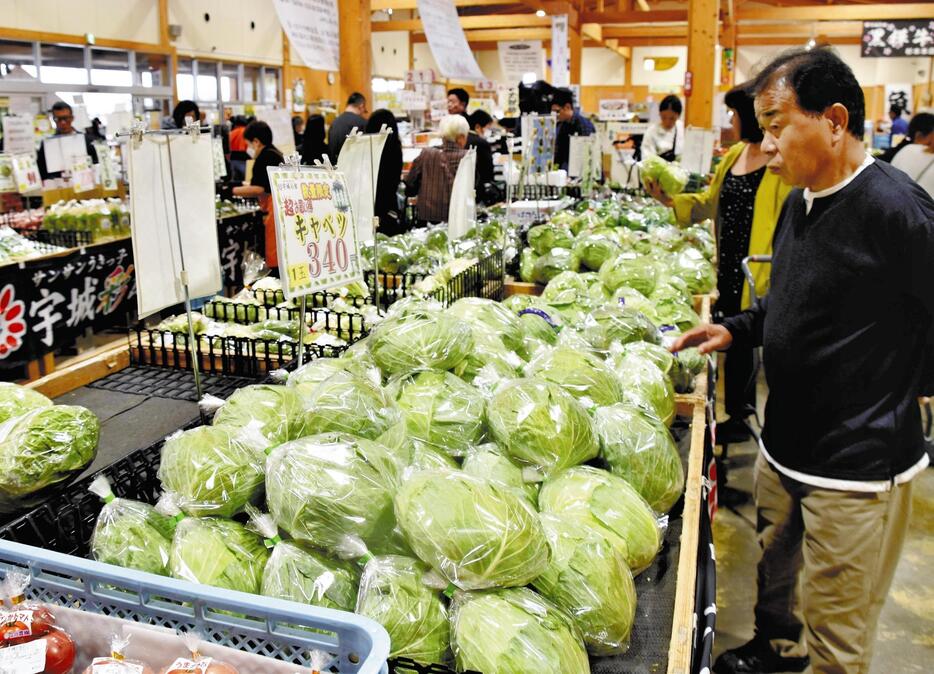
{"type": "Point", "coordinates": [810, 196]}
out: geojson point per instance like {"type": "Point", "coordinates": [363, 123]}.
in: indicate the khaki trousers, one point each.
{"type": "Point", "coordinates": [828, 558]}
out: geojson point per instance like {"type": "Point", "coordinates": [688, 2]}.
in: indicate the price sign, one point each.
{"type": "Point", "coordinates": [26, 173]}
{"type": "Point", "coordinates": [82, 174]}
{"type": "Point", "coordinates": [315, 230]}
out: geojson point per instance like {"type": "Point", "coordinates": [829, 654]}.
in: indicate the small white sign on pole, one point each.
{"type": "Point", "coordinates": [314, 229]}
{"type": "Point", "coordinates": [167, 229]}
{"type": "Point", "coordinates": [314, 31]}
{"type": "Point", "coordinates": [613, 109]}
{"type": "Point", "coordinates": [462, 210]}
{"type": "Point", "coordinates": [82, 174]}
{"type": "Point", "coordinates": [18, 134]}
{"type": "Point", "coordinates": [697, 152]}
{"type": "Point", "coordinates": [447, 40]}
{"type": "Point", "coordinates": [517, 59]}
{"type": "Point", "coordinates": [560, 54]}
{"type": "Point", "coordinates": [360, 156]}
{"type": "Point", "coordinates": [26, 173]}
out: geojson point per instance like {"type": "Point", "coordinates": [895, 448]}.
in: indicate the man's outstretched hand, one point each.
{"type": "Point", "coordinates": [706, 338]}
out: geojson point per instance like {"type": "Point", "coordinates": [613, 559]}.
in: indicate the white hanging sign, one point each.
{"type": "Point", "coordinates": [280, 122]}
{"type": "Point", "coordinates": [462, 210]}
{"type": "Point", "coordinates": [82, 174]}
{"type": "Point", "coordinates": [413, 100]}
{"type": "Point", "coordinates": [167, 229]}
{"type": "Point", "coordinates": [447, 40]}
{"type": "Point", "coordinates": [360, 157]}
{"type": "Point", "coordinates": [26, 173]}
{"type": "Point", "coordinates": [314, 229]}
{"type": "Point", "coordinates": [613, 109]}
{"type": "Point", "coordinates": [560, 54]}
{"type": "Point", "coordinates": [19, 134]}
{"type": "Point", "coordinates": [7, 180]}
{"type": "Point", "coordinates": [60, 150]}
{"type": "Point", "coordinates": [314, 31]}
{"type": "Point", "coordinates": [517, 59]}
{"type": "Point", "coordinates": [439, 109]}
{"type": "Point", "coordinates": [108, 166]}
{"type": "Point", "coordinates": [697, 151]}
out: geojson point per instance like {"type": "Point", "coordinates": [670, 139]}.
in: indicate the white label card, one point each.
{"type": "Point", "coordinates": [26, 658]}
{"type": "Point", "coordinates": [447, 40]}
{"type": "Point", "coordinates": [109, 666]}
{"type": "Point", "coordinates": [314, 31]}
{"type": "Point", "coordinates": [19, 134]}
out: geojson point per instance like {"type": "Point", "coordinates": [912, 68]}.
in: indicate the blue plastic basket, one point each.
{"type": "Point", "coordinates": [269, 627]}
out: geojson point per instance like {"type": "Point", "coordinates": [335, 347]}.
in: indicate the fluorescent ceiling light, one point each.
{"type": "Point", "coordinates": [540, 13]}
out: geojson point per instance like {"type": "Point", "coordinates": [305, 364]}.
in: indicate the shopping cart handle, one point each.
{"type": "Point", "coordinates": [747, 272]}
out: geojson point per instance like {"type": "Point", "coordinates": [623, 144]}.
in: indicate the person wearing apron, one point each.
{"type": "Point", "coordinates": [264, 154]}
{"type": "Point", "coordinates": [666, 138]}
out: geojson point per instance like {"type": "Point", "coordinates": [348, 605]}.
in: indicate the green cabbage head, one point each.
{"type": "Point", "coordinates": [392, 593]}
{"type": "Point", "coordinates": [589, 579]}
{"type": "Point", "coordinates": [420, 339]}
{"type": "Point", "coordinates": [538, 423]}
{"type": "Point", "coordinates": [347, 403]}
{"type": "Point", "coordinates": [133, 535]}
{"type": "Point", "coordinates": [639, 272]}
{"type": "Point", "coordinates": [218, 552]}
{"type": "Point", "coordinates": [491, 316]}
{"type": "Point", "coordinates": [615, 323]}
{"type": "Point", "coordinates": [272, 414]}
{"type": "Point", "coordinates": [303, 575]}
{"type": "Point", "coordinates": [542, 238]}
{"type": "Point", "coordinates": [554, 262]}
{"type": "Point", "coordinates": [475, 533]}
{"type": "Point", "coordinates": [595, 249]}
{"type": "Point", "coordinates": [594, 498]}
{"type": "Point", "coordinates": [16, 400]}
{"type": "Point", "coordinates": [515, 631]}
{"type": "Point", "coordinates": [646, 386]}
{"type": "Point", "coordinates": [488, 463]}
{"type": "Point", "coordinates": [579, 373]}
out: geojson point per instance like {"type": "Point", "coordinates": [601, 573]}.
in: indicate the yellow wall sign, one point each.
{"type": "Point", "coordinates": [314, 229]}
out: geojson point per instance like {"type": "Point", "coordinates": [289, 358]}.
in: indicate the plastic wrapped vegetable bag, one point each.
{"type": "Point", "coordinates": [595, 498]}
{"type": "Point", "coordinates": [538, 423]}
{"type": "Point", "coordinates": [218, 552]}
{"type": "Point", "coordinates": [645, 385]}
{"type": "Point", "coordinates": [347, 403]}
{"type": "Point", "coordinates": [392, 593]}
{"type": "Point", "coordinates": [274, 412]}
{"type": "Point", "coordinates": [475, 533]}
{"type": "Point", "coordinates": [492, 316]}
{"type": "Point", "coordinates": [212, 471]}
{"type": "Point", "coordinates": [488, 463]}
{"type": "Point", "coordinates": [16, 400]}
{"type": "Point", "coordinates": [43, 447]}
{"type": "Point", "coordinates": [419, 339]}
{"type": "Point", "coordinates": [130, 534]}
{"type": "Point", "coordinates": [591, 581]}
{"type": "Point", "coordinates": [515, 631]}
{"type": "Point", "coordinates": [579, 373]}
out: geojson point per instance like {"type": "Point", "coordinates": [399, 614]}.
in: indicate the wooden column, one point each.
{"type": "Point", "coordinates": [575, 52]}
{"type": "Point", "coordinates": [702, 60]}
{"type": "Point", "coordinates": [165, 41]}
{"type": "Point", "coordinates": [356, 50]}
{"type": "Point", "coordinates": [286, 68]}
{"type": "Point", "coordinates": [728, 41]}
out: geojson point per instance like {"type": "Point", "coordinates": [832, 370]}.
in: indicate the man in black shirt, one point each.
{"type": "Point", "coordinates": [845, 329]}
{"type": "Point", "coordinates": [353, 117]}
{"type": "Point", "coordinates": [570, 123]}
{"type": "Point", "coordinates": [63, 116]}
{"type": "Point", "coordinates": [487, 191]}
{"type": "Point", "coordinates": [258, 137]}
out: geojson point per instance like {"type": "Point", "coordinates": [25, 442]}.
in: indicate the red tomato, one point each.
{"type": "Point", "coordinates": [40, 623]}
{"type": "Point", "coordinates": [59, 652]}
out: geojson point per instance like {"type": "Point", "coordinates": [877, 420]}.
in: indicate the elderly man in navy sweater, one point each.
{"type": "Point", "coordinates": [846, 331]}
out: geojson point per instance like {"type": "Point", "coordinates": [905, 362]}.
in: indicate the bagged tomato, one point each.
{"type": "Point", "coordinates": [21, 621]}
{"type": "Point", "coordinates": [197, 663]}
{"type": "Point", "coordinates": [117, 663]}
{"type": "Point", "coordinates": [51, 653]}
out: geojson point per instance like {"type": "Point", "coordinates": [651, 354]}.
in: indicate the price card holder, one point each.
{"type": "Point", "coordinates": [82, 174]}
{"type": "Point", "coordinates": [315, 229]}
{"type": "Point", "coordinates": [26, 173]}
{"type": "Point", "coordinates": [698, 150]}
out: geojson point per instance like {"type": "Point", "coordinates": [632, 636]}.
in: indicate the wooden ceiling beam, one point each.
{"type": "Point", "coordinates": [383, 5]}
{"type": "Point", "coordinates": [752, 40]}
{"type": "Point", "coordinates": [470, 23]}
{"type": "Point", "coordinates": [876, 12]}
{"type": "Point", "coordinates": [508, 34]}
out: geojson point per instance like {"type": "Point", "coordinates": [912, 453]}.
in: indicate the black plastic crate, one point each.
{"type": "Point", "coordinates": [70, 238]}
{"type": "Point", "coordinates": [344, 325]}
{"type": "Point", "coordinates": [536, 192]}
{"type": "Point", "coordinates": [168, 383]}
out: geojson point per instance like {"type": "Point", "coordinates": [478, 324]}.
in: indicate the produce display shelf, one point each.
{"type": "Point", "coordinates": [64, 238]}
{"type": "Point", "coordinates": [342, 324]}
{"type": "Point", "coordinates": [168, 383]}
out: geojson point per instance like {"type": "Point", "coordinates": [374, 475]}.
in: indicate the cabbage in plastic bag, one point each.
{"type": "Point", "coordinates": [488, 463]}
{"type": "Point", "coordinates": [646, 386]}
{"type": "Point", "coordinates": [489, 350]}
{"type": "Point", "coordinates": [539, 423]}
{"type": "Point", "coordinates": [131, 534]}
{"type": "Point", "coordinates": [303, 575]}
{"type": "Point", "coordinates": [274, 412]}
{"type": "Point", "coordinates": [591, 497]}
{"type": "Point", "coordinates": [16, 400]}
{"type": "Point", "coordinates": [670, 177]}
{"type": "Point", "coordinates": [515, 631]}
{"type": "Point", "coordinates": [678, 314]}
{"type": "Point", "coordinates": [490, 316]}
{"type": "Point", "coordinates": [319, 370]}
{"type": "Point", "coordinates": [212, 470]}
{"type": "Point", "coordinates": [698, 272]}
{"type": "Point", "coordinates": [595, 249]}
{"type": "Point", "coordinates": [655, 353]}
{"type": "Point", "coordinates": [218, 552]}
{"type": "Point", "coordinates": [420, 339]}
{"type": "Point", "coordinates": [633, 299]}
{"type": "Point", "coordinates": [639, 272]}
{"type": "Point", "coordinates": [581, 374]}
{"type": "Point", "coordinates": [44, 447]}
{"type": "Point", "coordinates": [615, 323]}
{"type": "Point", "coordinates": [527, 260]}
{"type": "Point", "coordinates": [441, 410]}
{"type": "Point", "coordinates": [590, 580]}
{"type": "Point", "coordinates": [554, 262]}
{"type": "Point", "coordinates": [392, 593]}
{"type": "Point", "coordinates": [475, 533]}
{"type": "Point", "coordinates": [540, 328]}
{"type": "Point", "coordinates": [347, 403]}
{"type": "Point", "coordinates": [542, 238]}
{"type": "Point", "coordinates": [323, 488]}
{"type": "Point", "coordinates": [641, 450]}
{"type": "Point", "coordinates": [565, 288]}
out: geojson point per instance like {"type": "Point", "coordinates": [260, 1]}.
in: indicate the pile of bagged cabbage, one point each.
{"type": "Point", "coordinates": [424, 251]}
{"type": "Point", "coordinates": [630, 244]}
{"type": "Point", "coordinates": [41, 444]}
{"type": "Point", "coordinates": [483, 480]}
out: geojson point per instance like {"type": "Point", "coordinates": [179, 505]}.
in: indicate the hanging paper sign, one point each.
{"type": "Point", "coordinates": [438, 110]}
{"type": "Point", "coordinates": [424, 76]}
{"type": "Point", "coordinates": [560, 54]}
{"type": "Point", "coordinates": [280, 122]}
{"type": "Point", "coordinates": [899, 95]}
{"type": "Point", "coordinates": [26, 173]}
{"type": "Point", "coordinates": [22, 105]}
{"type": "Point", "coordinates": [509, 102]}
{"type": "Point", "coordinates": [462, 211]}
{"type": "Point", "coordinates": [7, 181]}
{"type": "Point", "coordinates": [18, 134]}
{"type": "Point", "coordinates": [485, 85]}
{"type": "Point", "coordinates": [82, 174]}
{"type": "Point", "coordinates": [60, 150]}
{"type": "Point", "coordinates": [898, 38]}
{"type": "Point", "coordinates": [360, 156]}
{"type": "Point", "coordinates": [613, 109]}
{"type": "Point", "coordinates": [314, 229]}
{"type": "Point", "coordinates": [314, 31]}
{"type": "Point", "coordinates": [697, 153]}
{"type": "Point", "coordinates": [108, 167]}
{"type": "Point", "coordinates": [518, 59]}
{"type": "Point", "coordinates": [584, 158]}
{"type": "Point", "coordinates": [413, 100]}
{"type": "Point", "coordinates": [447, 40]}
{"type": "Point", "coordinates": [217, 152]}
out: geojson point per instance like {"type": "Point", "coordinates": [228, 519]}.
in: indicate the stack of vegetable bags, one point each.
{"type": "Point", "coordinates": [484, 480]}
{"type": "Point", "coordinates": [41, 444]}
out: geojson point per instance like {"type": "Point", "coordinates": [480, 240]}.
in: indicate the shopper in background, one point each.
{"type": "Point", "coordinates": [63, 116]}
{"type": "Point", "coordinates": [745, 200]}
{"type": "Point", "coordinates": [844, 329]}
{"type": "Point", "coordinates": [238, 155]}
{"type": "Point", "coordinates": [386, 207]}
{"type": "Point", "coordinates": [666, 138]}
{"type": "Point", "coordinates": [353, 117]}
{"type": "Point", "coordinates": [431, 177]}
{"type": "Point", "coordinates": [899, 123]}
{"type": "Point", "coordinates": [917, 158]}
{"type": "Point", "coordinates": [94, 132]}
{"type": "Point", "coordinates": [258, 137]}
{"type": "Point", "coordinates": [298, 129]}
{"type": "Point", "coordinates": [480, 122]}
{"type": "Point", "coordinates": [570, 123]}
{"type": "Point", "coordinates": [313, 147]}
{"type": "Point", "coordinates": [457, 102]}
{"type": "Point", "coordinates": [183, 113]}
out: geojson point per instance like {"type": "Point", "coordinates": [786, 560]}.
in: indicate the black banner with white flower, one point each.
{"type": "Point", "coordinates": [898, 38]}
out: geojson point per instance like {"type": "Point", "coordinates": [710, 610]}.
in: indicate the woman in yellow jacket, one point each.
{"type": "Point", "coordinates": [745, 200]}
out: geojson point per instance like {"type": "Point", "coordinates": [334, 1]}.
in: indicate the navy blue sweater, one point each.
{"type": "Point", "coordinates": [846, 328]}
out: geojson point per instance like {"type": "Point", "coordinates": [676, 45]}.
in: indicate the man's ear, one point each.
{"type": "Point", "coordinates": [839, 118]}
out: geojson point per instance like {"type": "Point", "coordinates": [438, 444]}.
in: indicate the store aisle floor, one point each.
{"type": "Point", "coordinates": [905, 641]}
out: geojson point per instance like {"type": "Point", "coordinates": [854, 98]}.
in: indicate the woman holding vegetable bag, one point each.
{"type": "Point", "coordinates": [745, 200]}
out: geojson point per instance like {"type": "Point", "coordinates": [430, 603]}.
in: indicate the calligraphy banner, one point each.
{"type": "Point", "coordinates": [898, 38]}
